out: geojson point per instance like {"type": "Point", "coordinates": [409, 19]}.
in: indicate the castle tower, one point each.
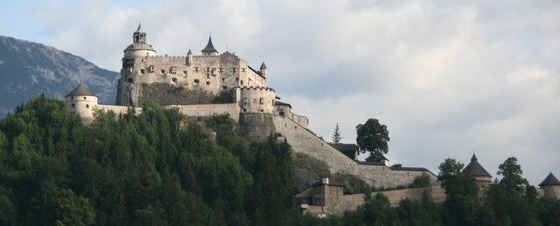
{"type": "Point", "coordinates": [128, 88]}
{"type": "Point", "coordinates": [209, 50]}
{"type": "Point", "coordinates": [481, 177]}
{"type": "Point", "coordinates": [139, 47]}
{"type": "Point", "coordinates": [264, 70]}
{"type": "Point", "coordinates": [82, 102]}
{"type": "Point", "coordinates": [551, 187]}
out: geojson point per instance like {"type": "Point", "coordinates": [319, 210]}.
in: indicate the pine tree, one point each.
{"type": "Point", "coordinates": [336, 137]}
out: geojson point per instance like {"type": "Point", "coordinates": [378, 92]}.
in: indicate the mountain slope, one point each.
{"type": "Point", "coordinates": [28, 69]}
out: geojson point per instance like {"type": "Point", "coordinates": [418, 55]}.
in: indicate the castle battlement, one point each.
{"type": "Point", "coordinates": [257, 88]}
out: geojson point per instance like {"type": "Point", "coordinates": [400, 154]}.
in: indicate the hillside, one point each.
{"type": "Point", "coordinates": [28, 69]}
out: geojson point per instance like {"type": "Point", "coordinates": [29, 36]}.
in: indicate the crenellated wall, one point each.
{"type": "Point", "coordinates": [257, 99]}
{"type": "Point", "coordinates": [213, 74]}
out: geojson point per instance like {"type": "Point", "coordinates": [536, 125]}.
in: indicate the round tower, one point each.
{"type": "Point", "coordinates": [481, 177]}
{"type": "Point", "coordinates": [257, 99]}
{"type": "Point", "coordinates": [127, 87]}
{"type": "Point", "coordinates": [82, 102]}
{"type": "Point", "coordinates": [550, 187]}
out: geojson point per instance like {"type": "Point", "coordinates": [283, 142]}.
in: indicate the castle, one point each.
{"type": "Point", "coordinates": [212, 84]}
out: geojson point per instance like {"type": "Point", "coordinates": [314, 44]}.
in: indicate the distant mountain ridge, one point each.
{"type": "Point", "coordinates": [28, 69]}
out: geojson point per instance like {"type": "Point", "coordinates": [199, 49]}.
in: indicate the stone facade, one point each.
{"type": "Point", "coordinates": [327, 199]}
{"type": "Point", "coordinates": [212, 72]}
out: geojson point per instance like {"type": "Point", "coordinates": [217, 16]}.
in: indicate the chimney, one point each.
{"type": "Point", "coordinates": [325, 180]}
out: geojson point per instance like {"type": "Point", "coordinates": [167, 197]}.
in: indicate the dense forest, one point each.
{"type": "Point", "coordinates": [157, 168]}
{"type": "Point", "coordinates": [149, 169]}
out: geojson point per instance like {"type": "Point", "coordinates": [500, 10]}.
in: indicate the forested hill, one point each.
{"type": "Point", "coordinates": [28, 69]}
{"type": "Point", "coordinates": [137, 170]}
{"type": "Point", "coordinates": [153, 169]}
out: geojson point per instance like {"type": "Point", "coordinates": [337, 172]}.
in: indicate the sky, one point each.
{"type": "Point", "coordinates": [448, 78]}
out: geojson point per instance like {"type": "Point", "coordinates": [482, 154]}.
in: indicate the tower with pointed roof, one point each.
{"type": "Point", "coordinates": [82, 102]}
{"type": "Point", "coordinates": [480, 176]}
{"type": "Point", "coordinates": [550, 187]}
{"type": "Point", "coordinates": [209, 50]}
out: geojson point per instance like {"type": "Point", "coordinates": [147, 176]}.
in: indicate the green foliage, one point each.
{"type": "Point", "coordinates": [373, 137]}
{"type": "Point", "coordinates": [146, 169]}
{"type": "Point", "coordinates": [336, 137]}
{"type": "Point", "coordinates": [421, 181]}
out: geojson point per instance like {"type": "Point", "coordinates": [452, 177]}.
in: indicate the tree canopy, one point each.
{"type": "Point", "coordinates": [336, 136]}
{"type": "Point", "coordinates": [372, 137]}
{"type": "Point", "coordinates": [146, 169]}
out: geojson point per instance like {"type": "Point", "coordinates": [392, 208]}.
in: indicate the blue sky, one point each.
{"type": "Point", "coordinates": [448, 78]}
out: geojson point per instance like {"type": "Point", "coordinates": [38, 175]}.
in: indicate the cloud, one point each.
{"type": "Point", "coordinates": [449, 78]}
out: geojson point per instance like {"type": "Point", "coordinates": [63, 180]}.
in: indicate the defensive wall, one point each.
{"type": "Point", "coordinates": [204, 110]}
{"type": "Point", "coordinates": [328, 199]}
{"type": "Point", "coordinates": [303, 140]}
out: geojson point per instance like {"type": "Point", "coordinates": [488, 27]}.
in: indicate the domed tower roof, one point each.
{"type": "Point", "coordinates": [80, 90]}
{"type": "Point", "coordinates": [474, 169]}
{"type": "Point", "coordinates": [209, 47]}
{"type": "Point", "coordinates": [263, 66]}
{"type": "Point", "coordinates": [139, 41]}
{"type": "Point", "coordinates": [550, 180]}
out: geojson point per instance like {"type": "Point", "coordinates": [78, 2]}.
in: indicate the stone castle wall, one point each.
{"type": "Point", "coordinates": [212, 74]}
{"type": "Point", "coordinates": [303, 140]}
{"type": "Point", "coordinates": [204, 110]}
{"type": "Point", "coordinates": [256, 126]}
{"type": "Point", "coordinates": [338, 204]}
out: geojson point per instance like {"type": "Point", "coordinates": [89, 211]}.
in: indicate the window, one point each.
{"type": "Point", "coordinates": [207, 75]}
{"type": "Point", "coordinates": [207, 69]}
{"type": "Point", "coordinates": [224, 87]}
{"type": "Point", "coordinates": [245, 100]}
{"type": "Point", "coordinates": [73, 105]}
{"type": "Point", "coordinates": [244, 109]}
{"type": "Point", "coordinates": [163, 71]}
{"type": "Point", "coordinates": [223, 79]}
{"type": "Point", "coordinates": [185, 72]}
{"type": "Point", "coordinates": [221, 69]}
{"type": "Point", "coordinates": [262, 110]}
{"type": "Point", "coordinates": [196, 82]}
{"type": "Point", "coordinates": [241, 82]}
{"type": "Point", "coordinates": [151, 68]}
{"type": "Point", "coordinates": [243, 69]}
{"type": "Point", "coordinates": [233, 69]}
{"type": "Point", "coordinates": [87, 105]}
{"type": "Point", "coordinates": [142, 71]}
{"type": "Point", "coordinates": [236, 78]}
{"type": "Point", "coordinates": [173, 70]}
{"type": "Point", "coordinates": [130, 80]}
{"type": "Point", "coordinates": [196, 69]}
{"type": "Point", "coordinates": [261, 101]}
{"type": "Point", "coordinates": [84, 98]}
{"type": "Point", "coordinates": [174, 80]}
{"type": "Point", "coordinates": [207, 83]}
